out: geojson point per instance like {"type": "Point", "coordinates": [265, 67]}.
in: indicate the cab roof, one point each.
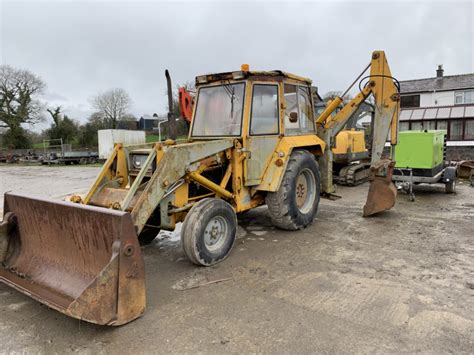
{"type": "Point", "coordinates": [241, 74]}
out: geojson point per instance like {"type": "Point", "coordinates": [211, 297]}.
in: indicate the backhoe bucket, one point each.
{"type": "Point", "coordinates": [382, 192]}
{"type": "Point", "coordinates": [80, 260]}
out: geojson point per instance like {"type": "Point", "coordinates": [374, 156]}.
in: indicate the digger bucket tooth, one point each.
{"type": "Point", "coordinates": [382, 192]}
{"type": "Point", "coordinates": [80, 260]}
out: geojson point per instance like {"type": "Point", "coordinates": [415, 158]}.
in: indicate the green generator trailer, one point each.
{"type": "Point", "coordinates": [421, 158]}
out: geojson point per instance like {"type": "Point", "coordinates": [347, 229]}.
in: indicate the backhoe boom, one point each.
{"type": "Point", "coordinates": [385, 91]}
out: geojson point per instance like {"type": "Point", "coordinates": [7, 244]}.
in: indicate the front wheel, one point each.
{"type": "Point", "coordinates": [209, 231]}
{"type": "Point", "coordinates": [294, 205]}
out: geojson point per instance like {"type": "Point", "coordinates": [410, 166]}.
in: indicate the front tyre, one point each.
{"type": "Point", "coordinates": [294, 205]}
{"type": "Point", "coordinates": [209, 231]}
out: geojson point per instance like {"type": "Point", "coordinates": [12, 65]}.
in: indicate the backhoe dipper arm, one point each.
{"type": "Point", "coordinates": [384, 88]}
{"type": "Point", "coordinates": [386, 93]}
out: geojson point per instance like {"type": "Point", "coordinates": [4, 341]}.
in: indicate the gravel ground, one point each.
{"type": "Point", "coordinates": [399, 282]}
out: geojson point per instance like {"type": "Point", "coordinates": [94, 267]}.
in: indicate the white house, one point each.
{"type": "Point", "coordinates": [442, 102]}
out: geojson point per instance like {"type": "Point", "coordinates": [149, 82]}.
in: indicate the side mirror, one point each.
{"type": "Point", "coordinates": [293, 117]}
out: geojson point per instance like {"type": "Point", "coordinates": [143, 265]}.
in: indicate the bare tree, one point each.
{"type": "Point", "coordinates": [331, 95]}
{"type": "Point", "coordinates": [113, 105]}
{"type": "Point", "coordinates": [18, 104]}
{"type": "Point", "coordinates": [55, 115]}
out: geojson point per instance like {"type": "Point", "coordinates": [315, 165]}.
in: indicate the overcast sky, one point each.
{"type": "Point", "coordinates": [81, 48]}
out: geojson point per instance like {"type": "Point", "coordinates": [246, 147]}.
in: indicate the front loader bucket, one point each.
{"type": "Point", "coordinates": [382, 192]}
{"type": "Point", "coordinates": [80, 260]}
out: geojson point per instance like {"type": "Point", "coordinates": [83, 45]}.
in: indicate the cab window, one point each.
{"type": "Point", "coordinates": [298, 102]}
{"type": "Point", "coordinates": [219, 111]}
{"type": "Point", "coordinates": [264, 118]}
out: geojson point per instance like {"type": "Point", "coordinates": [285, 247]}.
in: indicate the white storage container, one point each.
{"type": "Point", "coordinates": [108, 137]}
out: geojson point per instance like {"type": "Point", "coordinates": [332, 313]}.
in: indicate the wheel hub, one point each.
{"type": "Point", "coordinates": [305, 190]}
{"type": "Point", "coordinates": [215, 232]}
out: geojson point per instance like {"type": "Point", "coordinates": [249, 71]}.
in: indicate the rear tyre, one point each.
{"type": "Point", "coordinates": [295, 204]}
{"type": "Point", "coordinates": [147, 235]}
{"type": "Point", "coordinates": [208, 232]}
{"type": "Point", "coordinates": [450, 186]}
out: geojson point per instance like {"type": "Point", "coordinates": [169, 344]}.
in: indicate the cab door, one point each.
{"type": "Point", "coordinates": [264, 131]}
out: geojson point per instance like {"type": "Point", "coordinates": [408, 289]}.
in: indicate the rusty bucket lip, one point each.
{"type": "Point", "coordinates": [61, 304]}
{"type": "Point", "coordinates": [64, 203]}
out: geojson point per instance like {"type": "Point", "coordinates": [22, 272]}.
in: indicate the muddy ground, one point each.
{"type": "Point", "coordinates": [400, 282]}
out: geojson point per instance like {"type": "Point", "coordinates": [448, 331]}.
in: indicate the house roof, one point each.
{"type": "Point", "coordinates": [437, 113]}
{"type": "Point", "coordinates": [444, 83]}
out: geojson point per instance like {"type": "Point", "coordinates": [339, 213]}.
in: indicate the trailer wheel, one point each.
{"type": "Point", "coordinates": [296, 202]}
{"type": "Point", "coordinates": [208, 232]}
{"type": "Point", "coordinates": [450, 186]}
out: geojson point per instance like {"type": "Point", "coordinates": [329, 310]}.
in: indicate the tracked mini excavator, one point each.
{"type": "Point", "coordinates": [254, 140]}
{"type": "Point", "coordinates": [351, 147]}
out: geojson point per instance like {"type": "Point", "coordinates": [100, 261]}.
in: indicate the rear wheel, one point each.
{"type": "Point", "coordinates": [296, 202]}
{"type": "Point", "coordinates": [209, 231]}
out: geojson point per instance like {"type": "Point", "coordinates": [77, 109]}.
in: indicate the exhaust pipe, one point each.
{"type": "Point", "coordinates": [171, 119]}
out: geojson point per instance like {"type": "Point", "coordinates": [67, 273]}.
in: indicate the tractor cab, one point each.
{"type": "Point", "coordinates": [256, 107]}
{"type": "Point", "coordinates": [252, 103]}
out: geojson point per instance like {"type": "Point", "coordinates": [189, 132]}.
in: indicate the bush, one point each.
{"type": "Point", "coordinates": [16, 138]}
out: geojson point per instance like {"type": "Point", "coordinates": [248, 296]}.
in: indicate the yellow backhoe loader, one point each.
{"type": "Point", "coordinates": [253, 140]}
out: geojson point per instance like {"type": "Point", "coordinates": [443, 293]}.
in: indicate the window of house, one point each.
{"type": "Point", "coordinates": [429, 125]}
{"type": "Point", "coordinates": [469, 130]}
{"type": "Point", "coordinates": [264, 117]}
{"type": "Point", "coordinates": [464, 97]}
{"type": "Point", "coordinates": [469, 97]}
{"type": "Point", "coordinates": [416, 126]}
{"type": "Point", "coordinates": [297, 100]}
{"type": "Point", "coordinates": [410, 101]}
{"type": "Point", "coordinates": [455, 130]}
{"type": "Point", "coordinates": [442, 125]}
{"type": "Point", "coordinates": [404, 126]}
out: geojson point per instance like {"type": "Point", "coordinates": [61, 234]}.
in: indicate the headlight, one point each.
{"type": "Point", "coordinates": [138, 160]}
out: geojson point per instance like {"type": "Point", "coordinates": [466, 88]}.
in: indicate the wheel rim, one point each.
{"type": "Point", "coordinates": [305, 191]}
{"type": "Point", "coordinates": [215, 233]}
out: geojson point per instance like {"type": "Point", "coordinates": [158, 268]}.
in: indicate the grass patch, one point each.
{"type": "Point", "coordinates": [150, 138]}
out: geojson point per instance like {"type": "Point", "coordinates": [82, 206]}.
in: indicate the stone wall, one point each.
{"type": "Point", "coordinates": [459, 153]}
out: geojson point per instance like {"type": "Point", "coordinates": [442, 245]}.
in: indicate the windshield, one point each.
{"type": "Point", "coordinates": [219, 111]}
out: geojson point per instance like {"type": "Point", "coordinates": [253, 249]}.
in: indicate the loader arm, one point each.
{"type": "Point", "coordinates": [385, 91]}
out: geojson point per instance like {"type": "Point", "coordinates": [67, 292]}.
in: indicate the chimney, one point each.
{"type": "Point", "coordinates": [439, 71]}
